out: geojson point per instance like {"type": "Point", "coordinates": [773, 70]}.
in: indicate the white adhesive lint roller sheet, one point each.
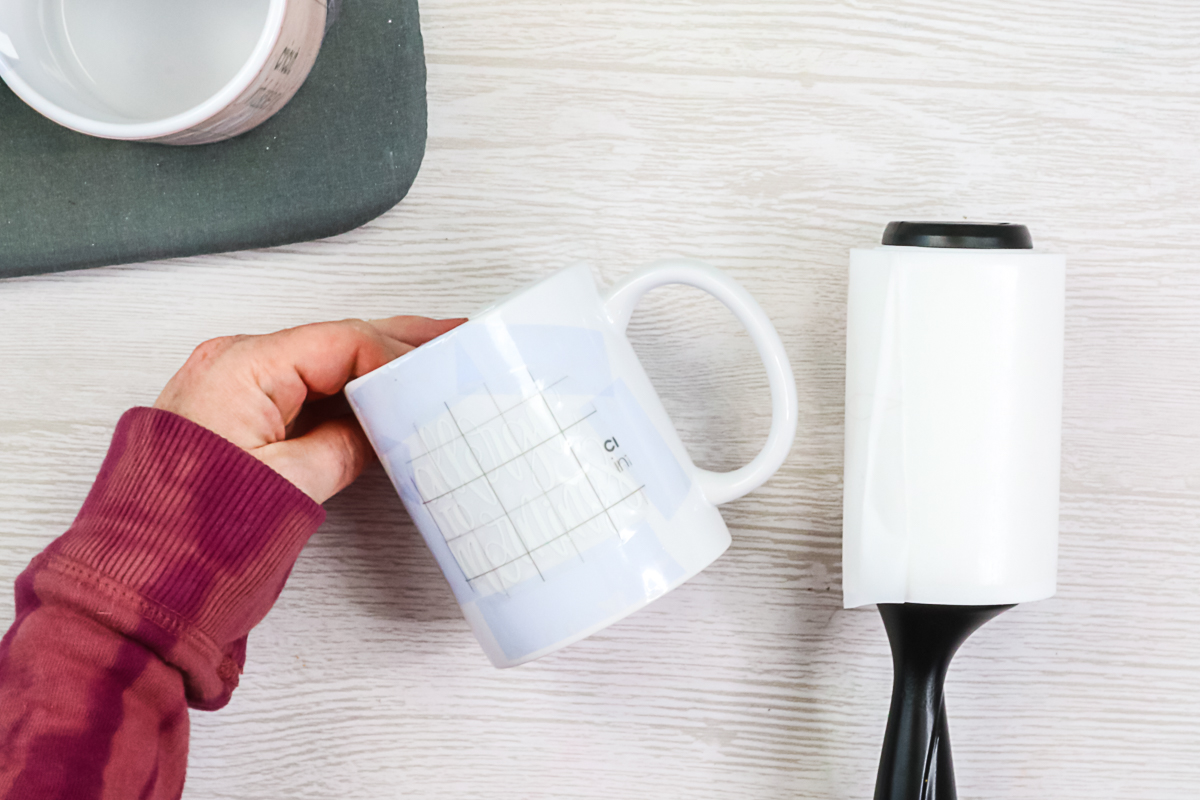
{"type": "Point", "coordinates": [953, 426]}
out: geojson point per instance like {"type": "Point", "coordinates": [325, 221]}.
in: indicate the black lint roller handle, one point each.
{"type": "Point", "coordinates": [916, 763]}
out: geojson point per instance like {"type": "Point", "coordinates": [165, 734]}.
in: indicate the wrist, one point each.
{"type": "Point", "coordinates": [194, 531]}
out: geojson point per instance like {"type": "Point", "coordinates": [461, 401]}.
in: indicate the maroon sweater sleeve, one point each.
{"type": "Point", "coordinates": [140, 610]}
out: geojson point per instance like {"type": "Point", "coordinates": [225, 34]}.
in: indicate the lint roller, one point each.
{"type": "Point", "coordinates": [954, 353]}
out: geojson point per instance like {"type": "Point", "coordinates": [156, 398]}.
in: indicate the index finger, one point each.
{"type": "Point", "coordinates": [318, 360]}
{"type": "Point", "coordinates": [415, 331]}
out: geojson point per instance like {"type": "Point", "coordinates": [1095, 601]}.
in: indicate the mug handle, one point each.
{"type": "Point", "coordinates": [722, 487]}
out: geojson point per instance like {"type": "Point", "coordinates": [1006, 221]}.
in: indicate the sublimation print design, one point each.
{"type": "Point", "coordinates": [521, 481]}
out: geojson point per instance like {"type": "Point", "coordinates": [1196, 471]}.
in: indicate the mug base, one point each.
{"type": "Point", "coordinates": [501, 660]}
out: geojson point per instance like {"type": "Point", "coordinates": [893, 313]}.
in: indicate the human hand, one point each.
{"type": "Point", "coordinates": [252, 390]}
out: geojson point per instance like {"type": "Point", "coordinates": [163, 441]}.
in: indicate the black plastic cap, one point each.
{"type": "Point", "coordinates": [974, 235]}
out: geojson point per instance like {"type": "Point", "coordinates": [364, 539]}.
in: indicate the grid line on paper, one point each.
{"type": "Point", "coordinates": [460, 433]}
{"type": "Point", "coordinates": [567, 532]}
{"type": "Point", "coordinates": [562, 522]}
{"type": "Point", "coordinates": [541, 393]}
{"type": "Point", "coordinates": [479, 464]}
{"type": "Point", "coordinates": [437, 525]}
{"type": "Point", "coordinates": [521, 454]}
{"type": "Point", "coordinates": [545, 494]}
{"type": "Point", "coordinates": [574, 455]}
{"type": "Point", "coordinates": [464, 431]}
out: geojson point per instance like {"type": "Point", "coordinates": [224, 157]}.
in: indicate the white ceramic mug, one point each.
{"type": "Point", "coordinates": [168, 71]}
{"type": "Point", "coordinates": [541, 468]}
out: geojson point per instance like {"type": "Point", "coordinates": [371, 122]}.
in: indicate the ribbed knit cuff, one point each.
{"type": "Point", "coordinates": [183, 543]}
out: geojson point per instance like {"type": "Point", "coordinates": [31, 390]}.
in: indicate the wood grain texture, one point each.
{"type": "Point", "coordinates": [768, 138]}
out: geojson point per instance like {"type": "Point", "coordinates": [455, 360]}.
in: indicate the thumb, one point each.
{"type": "Point", "coordinates": [323, 461]}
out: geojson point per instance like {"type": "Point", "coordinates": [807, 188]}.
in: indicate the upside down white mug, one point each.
{"type": "Point", "coordinates": [167, 71]}
{"type": "Point", "coordinates": [540, 466]}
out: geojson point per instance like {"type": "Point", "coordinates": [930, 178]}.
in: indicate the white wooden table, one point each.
{"type": "Point", "coordinates": [769, 138]}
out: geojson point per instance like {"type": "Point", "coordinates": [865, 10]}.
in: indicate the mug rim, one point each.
{"type": "Point", "coordinates": [177, 123]}
{"type": "Point", "coordinates": [480, 316]}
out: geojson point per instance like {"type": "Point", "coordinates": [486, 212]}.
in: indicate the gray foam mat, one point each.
{"type": "Point", "coordinates": [344, 150]}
